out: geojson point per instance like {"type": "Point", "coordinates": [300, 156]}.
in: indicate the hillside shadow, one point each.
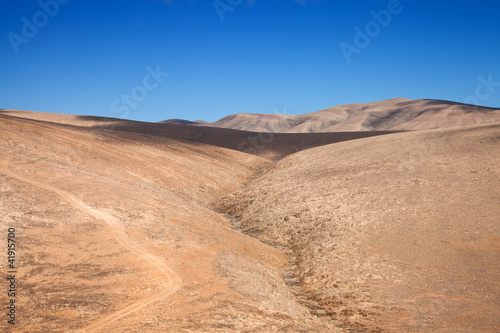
{"type": "Point", "coordinates": [269, 145]}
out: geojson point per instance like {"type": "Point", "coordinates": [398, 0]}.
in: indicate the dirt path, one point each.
{"type": "Point", "coordinates": [173, 281]}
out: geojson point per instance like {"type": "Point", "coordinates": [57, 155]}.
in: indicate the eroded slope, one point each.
{"type": "Point", "coordinates": [392, 233]}
{"type": "Point", "coordinates": [114, 235]}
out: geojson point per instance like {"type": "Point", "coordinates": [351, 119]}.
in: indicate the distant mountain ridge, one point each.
{"type": "Point", "coordinates": [399, 114]}
{"type": "Point", "coordinates": [185, 122]}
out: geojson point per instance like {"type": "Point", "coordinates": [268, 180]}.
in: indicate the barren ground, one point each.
{"type": "Point", "coordinates": [114, 235]}
{"type": "Point", "coordinates": [395, 233]}
{"type": "Point", "coordinates": [123, 231]}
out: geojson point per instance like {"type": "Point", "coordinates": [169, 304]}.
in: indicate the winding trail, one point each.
{"type": "Point", "coordinates": [173, 281]}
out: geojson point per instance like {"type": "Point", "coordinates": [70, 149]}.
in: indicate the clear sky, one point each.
{"type": "Point", "coordinates": [152, 60]}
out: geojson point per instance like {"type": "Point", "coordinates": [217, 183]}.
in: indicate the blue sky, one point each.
{"type": "Point", "coordinates": [111, 57]}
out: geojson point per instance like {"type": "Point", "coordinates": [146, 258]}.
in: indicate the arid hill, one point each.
{"type": "Point", "coordinates": [396, 233]}
{"type": "Point", "coordinates": [399, 114]}
{"type": "Point", "coordinates": [272, 146]}
{"type": "Point", "coordinates": [143, 227]}
{"type": "Point", "coordinates": [114, 234]}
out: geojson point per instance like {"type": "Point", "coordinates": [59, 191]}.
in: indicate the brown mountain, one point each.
{"type": "Point", "coordinates": [399, 114]}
